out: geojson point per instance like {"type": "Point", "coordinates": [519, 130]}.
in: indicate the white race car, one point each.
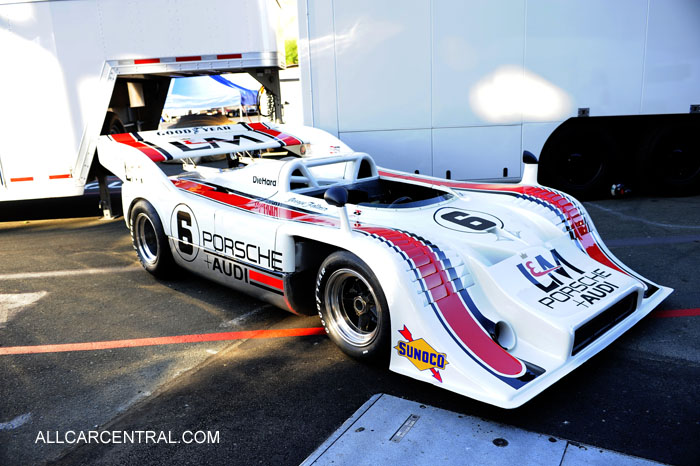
{"type": "Point", "coordinates": [493, 291]}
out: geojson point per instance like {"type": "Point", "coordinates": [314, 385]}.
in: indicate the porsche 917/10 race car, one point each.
{"type": "Point", "coordinates": [493, 291]}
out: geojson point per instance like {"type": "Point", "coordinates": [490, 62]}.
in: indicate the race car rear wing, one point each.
{"type": "Point", "coordinates": [184, 143]}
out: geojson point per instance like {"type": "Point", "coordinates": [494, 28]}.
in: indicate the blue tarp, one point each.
{"type": "Point", "coordinates": [248, 97]}
{"type": "Point", "coordinates": [206, 92]}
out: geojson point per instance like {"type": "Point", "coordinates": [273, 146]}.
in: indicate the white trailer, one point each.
{"type": "Point", "coordinates": [73, 69]}
{"type": "Point", "coordinates": [604, 92]}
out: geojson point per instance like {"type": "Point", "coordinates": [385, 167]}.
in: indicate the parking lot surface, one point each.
{"type": "Point", "coordinates": [274, 399]}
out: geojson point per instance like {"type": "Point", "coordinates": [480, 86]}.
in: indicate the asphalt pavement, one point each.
{"type": "Point", "coordinates": [273, 401]}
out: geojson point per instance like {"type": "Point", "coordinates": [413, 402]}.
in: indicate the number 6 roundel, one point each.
{"type": "Point", "coordinates": [467, 221]}
{"type": "Point", "coordinates": [184, 232]}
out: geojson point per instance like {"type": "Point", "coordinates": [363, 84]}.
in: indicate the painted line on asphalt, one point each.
{"type": "Point", "coordinates": [69, 273]}
{"type": "Point", "coordinates": [642, 220]}
{"type": "Point", "coordinates": [178, 339]}
{"type": "Point", "coordinates": [223, 336]}
{"type": "Point", "coordinates": [676, 313]}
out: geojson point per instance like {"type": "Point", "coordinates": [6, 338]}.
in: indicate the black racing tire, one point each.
{"type": "Point", "coordinates": [352, 307]}
{"type": "Point", "coordinates": [150, 241]}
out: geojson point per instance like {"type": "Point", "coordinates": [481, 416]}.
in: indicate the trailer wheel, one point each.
{"type": "Point", "coordinates": [672, 162]}
{"type": "Point", "coordinates": [353, 307]}
{"type": "Point", "coordinates": [112, 124]}
{"type": "Point", "coordinates": [149, 240]}
{"type": "Point", "coordinates": [577, 161]}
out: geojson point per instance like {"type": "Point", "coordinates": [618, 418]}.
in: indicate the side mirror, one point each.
{"type": "Point", "coordinates": [529, 158]}
{"type": "Point", "coordinates": [336, 196]}
{"type": "Point", "coordinates": [530, 169]}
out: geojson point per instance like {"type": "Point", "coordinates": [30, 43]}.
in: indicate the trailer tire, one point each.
{"type": "Point", "coordinates": [112, 124]}
{"type": "Point", "coordinates": [671, 162]}
{"type": "Point", "coordinates": [150, 241]}
{"type": "Point", "coordinates": [578, 160]}
{"type": "Point", "coordinates": [352, 307]}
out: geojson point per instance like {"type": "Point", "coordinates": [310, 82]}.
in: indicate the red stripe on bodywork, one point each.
{"type": "Point", "coordinates": [451, 305]}
{"type": "Point", "coordinates": [287, 139]}
{"type": "Point", "coordinates": [252, 205]}
{"type": "Point", "coordinates": [26, 178]}
{"type": "Point", "coordinates": [146, 61]}
{"type": "Point", "coordinates": [60, 177]}
{"type": "Point", "coordinates": [567, 208]}
{"type": "Point", "coordinates": [273, 282]}
{"type": "Point", "coordinates": [129, 140]}
{"type": "Point", "coordinates": [137, 342]}
{"type": "Point", "coordinates": [228, 56]}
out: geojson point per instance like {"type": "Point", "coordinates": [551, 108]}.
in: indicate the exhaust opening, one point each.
{"type": "Point", "coordinates": [505, 335]}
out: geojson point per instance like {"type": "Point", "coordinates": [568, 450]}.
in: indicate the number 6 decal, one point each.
{"type": "Point", "coordinates": [467, 221]}
{"type": "Point", "coordinates": [185, 232]}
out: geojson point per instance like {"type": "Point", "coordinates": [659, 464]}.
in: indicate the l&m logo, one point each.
{"type": "Point", "coordinates": [421, 354]}
{"type": "Point", "coordinates": [539, 267]}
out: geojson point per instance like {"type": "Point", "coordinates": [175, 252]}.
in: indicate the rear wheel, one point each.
{"type": "Point", "coordinates": [352, 306]}
{"type": "Point", "coordinates": [149, 240]}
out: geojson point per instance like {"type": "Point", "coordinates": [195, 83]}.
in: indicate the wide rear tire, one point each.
{"type": "Point", "coordinates": [150, 241]}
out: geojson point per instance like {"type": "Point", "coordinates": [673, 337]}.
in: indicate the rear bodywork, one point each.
{"type": "Point", "coordinates": [495, 291]}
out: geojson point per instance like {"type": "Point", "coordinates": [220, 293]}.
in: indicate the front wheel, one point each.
{"type": "Point", "coordinates": [149, 240]}
{"type": "Point", "coordinates": [352, 306]}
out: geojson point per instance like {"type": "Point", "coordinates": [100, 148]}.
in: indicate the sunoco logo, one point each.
{"type": "Point", "coordinates": [421, 354]}
{"type": "Point", "coordinates": [264, 181]}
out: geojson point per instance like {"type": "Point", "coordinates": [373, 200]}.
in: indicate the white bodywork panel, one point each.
{"type": "Point", "coordinates": [456, 261]}
{"type": "Point", "coordinates": [61, 59]}
{"type": "Point", "coordinates": [420, 68]}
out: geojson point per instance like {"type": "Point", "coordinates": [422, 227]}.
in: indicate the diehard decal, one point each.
{"type": "Point", "coordinates": [265, 181]}
{"type": "Point", "coordinates": [421, 354]}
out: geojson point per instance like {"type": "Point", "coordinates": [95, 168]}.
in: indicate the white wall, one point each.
{"type": "Point", "coordinates": [467, 85]}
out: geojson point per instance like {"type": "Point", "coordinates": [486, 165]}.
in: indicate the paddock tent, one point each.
{"type": "Point", "coordinates": [206, 92]}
